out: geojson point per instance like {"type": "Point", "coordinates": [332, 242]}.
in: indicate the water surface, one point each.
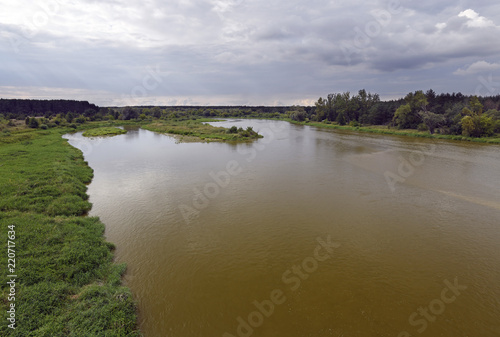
{"type": "Point", "coordinates": [211, 232]}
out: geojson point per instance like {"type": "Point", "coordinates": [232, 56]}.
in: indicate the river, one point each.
{"type": "Point", "coordinates": [306, 232]}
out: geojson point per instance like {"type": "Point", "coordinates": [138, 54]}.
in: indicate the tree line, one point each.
{"type": "Point", "coordinates": [451, 114]}
{"type": "Point", "coordinates": [22, 108]}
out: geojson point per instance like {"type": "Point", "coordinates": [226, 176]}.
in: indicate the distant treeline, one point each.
{"type": "Point", "coordinates": [228, 109]}
{"type": "Point", "coordinates": [22, 108]}
{"type": "Point", "coordinates": [210, 111]}
{"type": "Point", "coordinates": [451, 114]}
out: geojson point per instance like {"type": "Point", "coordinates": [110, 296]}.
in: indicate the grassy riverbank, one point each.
{"type": "Point", "coordinates": [193, 130]}
{"type": "Point", "coordinates": [380, 129]}
{"type": "Point", "coordinates": [104, 131]}
{"type": "Point", "coordinates": [188, 130]}
{"type": "Point", "coordinates": [66, 283]}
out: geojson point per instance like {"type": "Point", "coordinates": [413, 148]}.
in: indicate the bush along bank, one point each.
{"type": "Point", "coordinates": [58, 278]}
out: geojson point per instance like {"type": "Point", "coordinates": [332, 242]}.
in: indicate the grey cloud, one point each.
{"type": "Point", "coordinates": [260, 49]}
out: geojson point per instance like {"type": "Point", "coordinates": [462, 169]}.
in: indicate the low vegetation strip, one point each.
{"type": "Point", "coordinates": [104, 131]}
{"type": "Point", "coordinates": [65, 282]}
{"type": "Point", "coordinates": [380, 129]}
{"type": "Point", "coordinates": [44, 175]}
{"type": "Point", "coordinates": [196, 129]}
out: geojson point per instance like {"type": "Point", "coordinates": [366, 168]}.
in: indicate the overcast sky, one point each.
{"type": "Point", "coordinates": [248, 52]}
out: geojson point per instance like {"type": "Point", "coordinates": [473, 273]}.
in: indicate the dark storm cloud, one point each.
{"type": "Point", "coordinates": [256, 52]}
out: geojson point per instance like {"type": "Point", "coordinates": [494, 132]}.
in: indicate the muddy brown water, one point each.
{"type": "Point", "coordinates": [306, 232]}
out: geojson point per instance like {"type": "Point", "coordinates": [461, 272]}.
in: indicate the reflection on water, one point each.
{"type": "Point", "coordinates": [225, 239]}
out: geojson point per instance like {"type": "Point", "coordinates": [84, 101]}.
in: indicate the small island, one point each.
{"type": "Point", "coordinates": [69, 274]}
{"type": "Point", "coordinates": [104, 131]}
{"type": "Point", "coordinates": [198, 129]}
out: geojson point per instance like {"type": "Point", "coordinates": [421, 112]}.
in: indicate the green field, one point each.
{"type": "Point", "coordinates": [66, 283]}
{"type": "Point", "coordinates": [104, 131]}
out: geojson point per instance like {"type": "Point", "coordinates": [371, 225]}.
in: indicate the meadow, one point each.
{"type": "Point", "coordinates": [66, 282]}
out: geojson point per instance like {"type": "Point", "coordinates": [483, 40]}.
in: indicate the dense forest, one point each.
{"type": "Point", "coordinates": [448, 114]}
{"type": "Point", "coordinates": [22, 108]}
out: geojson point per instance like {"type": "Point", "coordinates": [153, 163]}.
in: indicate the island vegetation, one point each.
{"type": "Point", "coordinates": [199, 130]}
{"type": "Point", "coordinates": [104, 131]}
{"type": "Point", "coordinates": [423, 114]}
{"type": "Point", "coordinates": [67, 284]}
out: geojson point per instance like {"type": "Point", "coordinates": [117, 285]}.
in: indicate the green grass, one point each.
{"type": "Point", "coordinates": [104, 131]}
{"type": "Point", "coordinates": [379, 129]}
{"type": "Point", "coordinates": [196, 130]}
{"type": "Point", "coordinates": [16, 135]}
{"type": "Point", "coordinates": [66, 282]}
{"type": "Point", "coordinates": [44, 175]}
